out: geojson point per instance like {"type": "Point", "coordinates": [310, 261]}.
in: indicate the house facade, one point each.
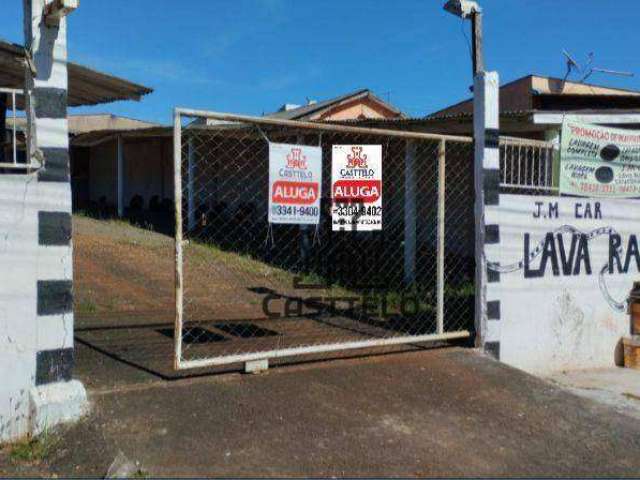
{"type": "Point", "coordinates": [534, 107]}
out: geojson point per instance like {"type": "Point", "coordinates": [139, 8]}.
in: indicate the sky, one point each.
{"type": "Point", "coordinates": [252, 56]}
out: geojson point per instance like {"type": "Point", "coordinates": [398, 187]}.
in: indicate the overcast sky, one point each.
{"type": "Point", "coordinates": [251, 56]}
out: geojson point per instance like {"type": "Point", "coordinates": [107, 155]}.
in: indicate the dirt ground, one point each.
{"type": "Point", "coordinates": [124, 295]}
{"type": "Point", "coordinates": [442, 411]}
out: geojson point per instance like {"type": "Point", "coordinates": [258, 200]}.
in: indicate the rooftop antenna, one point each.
{"type": "Point", "coordinates": [588, 69]}
{"type": "Point", "coordinates": [571, 65]}
{"type": "Point", "coordinates": [607, 72]}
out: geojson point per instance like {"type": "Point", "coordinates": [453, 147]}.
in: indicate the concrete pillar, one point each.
{"type": "Point", "coordinates": [553, 135]}
{"type": "Point", "coordinates": [487, 183]}
{"type": "Point", "coordinates": [410, 212]}
{"type": "Point", "coordinates": [36, 321]}
{"type": "Point", "coordinates": [120, 174]}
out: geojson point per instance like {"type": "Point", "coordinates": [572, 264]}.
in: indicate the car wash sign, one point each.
{"type": "Point", "coordinates": [295, 182]}
{"type": "Point", "coordinates": [599, 161]}
{"type": "Point", "coordinates": [356, 187]}
{"type": "Point", "coordinates": [561, 269]}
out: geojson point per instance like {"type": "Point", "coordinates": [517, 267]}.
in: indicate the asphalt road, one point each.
{"type": "Point", "coordinates": [447, 412]}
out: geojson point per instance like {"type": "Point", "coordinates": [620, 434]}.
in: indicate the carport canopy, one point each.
{"type": "Point", "coordinates": [86, 86]}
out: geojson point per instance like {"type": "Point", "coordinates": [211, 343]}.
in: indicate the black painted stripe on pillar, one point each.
{"type": "Point", "coordinates": [492, 138]}
{"type": "Point", "coordinates": [493, 276]}
{"type": "Point", "coordinates": [491, 186]}
{"type": "Point", "coordinates": [54, 366]}
{"type": "Point", "coordinates": [50, 102]}
{"type": "Point", "coordinates": [55, 297]}
{"type": "Point", "coordinates": [493, 310]}
{"type": "Point", "coordinates": [492, 234]}
{"type": "Point", "coordinates": [493, 349]}
{"type": "Point", "coordinates": [56, 165]}
{"type": "Point", "coordinates": [54, 228]}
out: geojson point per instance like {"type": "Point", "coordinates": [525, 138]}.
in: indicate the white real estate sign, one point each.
{"type": "Point", "coordinates": [566, 267]}
{"type": "Point", "coordinates": [356, 187]}
{"type": "Point", "coordinates": [295, 184]}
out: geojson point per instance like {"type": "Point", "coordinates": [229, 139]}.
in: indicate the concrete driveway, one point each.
{"type": "Point", "coordinates": [441, 412]}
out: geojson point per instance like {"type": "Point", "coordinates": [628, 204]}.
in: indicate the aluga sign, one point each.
{"type": "Point", "coordinates": [356, 187]}
{"type": "Point", "coordinates": [295, 182]}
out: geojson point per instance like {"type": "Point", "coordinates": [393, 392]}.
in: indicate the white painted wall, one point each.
{"type": "Point", "coordinates": [22, 263]}
{"type": "Point", "coordinates": [560, 322]}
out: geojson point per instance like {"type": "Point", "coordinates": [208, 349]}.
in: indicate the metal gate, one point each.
{"type": "Point", "coordinates": [248, 290]}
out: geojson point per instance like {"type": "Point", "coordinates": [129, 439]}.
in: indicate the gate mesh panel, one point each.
{"type": "Point", "coordinates": [250, 287]}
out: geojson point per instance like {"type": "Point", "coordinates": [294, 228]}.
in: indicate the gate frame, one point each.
{"type": "Point", "coordinates": [181, 364]}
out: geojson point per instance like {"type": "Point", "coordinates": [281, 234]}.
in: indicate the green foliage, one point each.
{"type": "Point", "coordinates": [86, 306]}
{"type": "Point", "coordinates": [34, 449]}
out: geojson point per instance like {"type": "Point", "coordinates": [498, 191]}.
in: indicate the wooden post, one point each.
{"type": "Point", "coordinates": [410, 213]}
{"type": "Point", "coordinates": [478, 54]}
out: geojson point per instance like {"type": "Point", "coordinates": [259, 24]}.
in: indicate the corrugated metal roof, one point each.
{"type": "Point", "coordinates": [306, 111]}
{"type": "Point", "coordinates": [86, 86]}
{"type": "Point", "coordinates": [95, 138]}
{"type": "Point", "coordinates": [537, 86]}
{"type": "Point", "coordinates": [79, 124]}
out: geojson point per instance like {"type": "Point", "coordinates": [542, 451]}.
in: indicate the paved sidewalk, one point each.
{"type": "Point", "coordinates": [616, 387]}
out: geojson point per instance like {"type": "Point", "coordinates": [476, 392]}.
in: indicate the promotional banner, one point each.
{"type": "Point", "coordinates": [356, 187]}
{"type": "Point", "coordinates": [564, 269]}
{"type": "Point", "coordinates": [599, 161]}
{"type": "Point", "coordinates": [295, 184]}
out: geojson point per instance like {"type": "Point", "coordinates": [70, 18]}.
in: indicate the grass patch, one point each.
{"type": "Point", "coordinates": [34, 449]}
{"type": "Point", "coordinates": [86, 306]}
{"type": "Point", "coordinates": [631, 396]}
{"type": "Point", "coordinates": [385, 300]}
{"type": "Point", "coordinates": [247, 264]}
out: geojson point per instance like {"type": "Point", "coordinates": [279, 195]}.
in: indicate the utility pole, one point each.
{"type": "Point", "coordinates": [476, 41]}
{"type": "Point", "coordinates": [469, 10]}
{"type": "Point", "coordinates": [486, 135]}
